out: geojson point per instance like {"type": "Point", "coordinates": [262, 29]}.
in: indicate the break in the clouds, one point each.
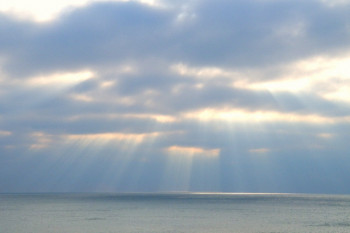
{"type": "Point", "coordinates": [234, 96]}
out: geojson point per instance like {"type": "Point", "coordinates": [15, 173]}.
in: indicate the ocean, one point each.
{"type": "Point", "coordinates": [174, 213]}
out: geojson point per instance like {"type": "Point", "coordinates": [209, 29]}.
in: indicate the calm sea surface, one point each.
{"type": "Point", "coordinates": [173, 213]}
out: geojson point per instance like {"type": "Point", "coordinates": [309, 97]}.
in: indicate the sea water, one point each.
{"type": "Point", "coordinates": [173, 213]}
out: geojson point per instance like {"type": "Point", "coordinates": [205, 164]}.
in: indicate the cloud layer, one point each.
{"type": "Point", "coordinates": [246, 96]}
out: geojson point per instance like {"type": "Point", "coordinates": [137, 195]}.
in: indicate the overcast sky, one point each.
{"type": "Point", "coordinates": [157, 96]}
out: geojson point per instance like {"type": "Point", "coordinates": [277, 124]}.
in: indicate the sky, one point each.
{"type": "Point", "coordinates": [174, 96]}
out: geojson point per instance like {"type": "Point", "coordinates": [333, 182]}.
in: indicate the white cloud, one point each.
{"type": "Point", "coordinates": [334, 3]}
{"type": "Point", "coordinates": [63, 79]}
{"type": "Point", "coordinates": [134, 138]}
{"type": "Point", "coordinates": [241, 115]}
{"type": "Point", "coordinates": [119, 116]}
{"type": "Point", "coordinates": [41, 140]}
{"type": "Point", "coordinates": [47, 10]}
{"type": "Point", "coordinates": [325, 135]}
{"type": "Point", "coordinates": [192, 151]}
{"type": "Point", "coordinates": [4, 133]}
{"type": "Point", "coordinates": [40, 10]}
{"type": "Point", "coordinates": [327, 77]}
{"type": "Point", "coordinates": [259, 151]}
{"type": "Point", "coordinates": [202, 72]}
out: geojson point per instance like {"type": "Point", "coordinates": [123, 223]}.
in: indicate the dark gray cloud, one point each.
{"type": "Point", "coordinates": [222, 33]}
{"type": "Point", "coordinates": [261, 32]}
{"type": "Point", "coordinates": [101, 33]}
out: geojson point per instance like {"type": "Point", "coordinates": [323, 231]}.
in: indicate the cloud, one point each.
{"type": "Point", "coordinates": [5, 133]}
{"type": "Point", "coordinates": [259, 151]}
{"type": "Point", "coordinates": [44, 11]}
{"type": "Point", "coordinates": [60, 79]}
{"type": "Point", "coordinates": [224, 33]}
{"type": "Point", "coordinates": [133, 138]}
{"type": "Point", "coordinates": [237, 115]}
{"type": "Point", "coordinates": [192, 151]}
{"type": "Point", "coordinates": [121, 84]}
{"type": "Point", "coordinates": [100, 34]}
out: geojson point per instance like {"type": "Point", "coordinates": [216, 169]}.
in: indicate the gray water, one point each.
{"type": "Point", "coordinates": [173, 213]}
